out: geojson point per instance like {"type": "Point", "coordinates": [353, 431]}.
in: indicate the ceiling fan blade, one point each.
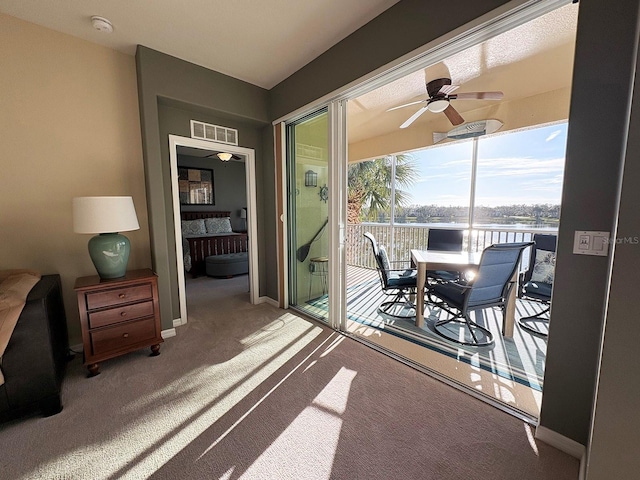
{"type": "Point", "coordinates": [413, 117]}
{"type": "Point", "coordinates": [406, 105]}
{"type": "Point", "coordinates": [454, 117]}
{"type": "Point", "coordinates": [477, 96]}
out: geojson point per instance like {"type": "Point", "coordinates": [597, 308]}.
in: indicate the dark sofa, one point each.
{"type": "Point", "coordinates": [34, 361]}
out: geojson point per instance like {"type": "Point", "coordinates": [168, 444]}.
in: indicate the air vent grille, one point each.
{"type": "Point", "coordinates": [214, 133]}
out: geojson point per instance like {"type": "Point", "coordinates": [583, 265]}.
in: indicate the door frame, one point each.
{"type": "Point", "coordinates": [176, 141]}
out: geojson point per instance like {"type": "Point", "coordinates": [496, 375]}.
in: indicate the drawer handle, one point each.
{"type": "Point", "coordinates": [125, 335]}
{"type": "Point", "coordinates": [122, 295]}
{"type": "Point", "coordinates": [123, 314]}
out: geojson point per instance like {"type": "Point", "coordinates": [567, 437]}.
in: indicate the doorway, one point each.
{"type": "Point", "coordinates": [175, 143]}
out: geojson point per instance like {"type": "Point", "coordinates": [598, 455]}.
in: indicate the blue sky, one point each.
{"type": "Point", "coordinates": [525, 167]}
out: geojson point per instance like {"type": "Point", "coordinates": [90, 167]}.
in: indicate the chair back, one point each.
{"type": "Point", "coordinates": [445, 240]}
{"type": "Point", "coordinates": [497, 266]}
{"type": "Point", "coordinates": [540, 242]}
{"type": "Point", "coordinates": [380, 261]}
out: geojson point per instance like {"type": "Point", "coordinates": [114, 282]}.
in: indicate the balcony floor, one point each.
{"type": "Point", "coordinates": [516, 362]}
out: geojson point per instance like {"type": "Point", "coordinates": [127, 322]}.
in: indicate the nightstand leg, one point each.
{"type": "Point", "coordinates": [155, 350]}
{"type": "Point", "coordinates": [94, 369]}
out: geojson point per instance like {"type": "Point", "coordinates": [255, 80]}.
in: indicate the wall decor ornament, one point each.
{"type": "Point", "coordinates": [195, 186]}
{"type": "Point", "coordinates": [324, 193]}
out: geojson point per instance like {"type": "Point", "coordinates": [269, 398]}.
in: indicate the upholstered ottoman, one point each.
{"type": "Point", "coordinates": [227, 265]}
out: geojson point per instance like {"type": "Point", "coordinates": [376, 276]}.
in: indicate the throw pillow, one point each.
{"type": "Point", "coordinates": [218, 225]}
{"type": "Point", "coordinates": [193, 227]}
{"type": "Point", "coordinates": [544, 266]}
{"type": "Point", "coordinates": [384, 259]}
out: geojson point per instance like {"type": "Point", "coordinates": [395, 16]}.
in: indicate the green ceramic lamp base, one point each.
{"type": "Point", "coordinates": [110, 254]}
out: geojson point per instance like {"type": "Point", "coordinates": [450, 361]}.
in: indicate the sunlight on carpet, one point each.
{"type": "Point", "coordinates": [314, 453]}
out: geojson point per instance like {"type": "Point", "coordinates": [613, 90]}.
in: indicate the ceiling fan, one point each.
{"type": "Point", "coordinates": [440, 93]}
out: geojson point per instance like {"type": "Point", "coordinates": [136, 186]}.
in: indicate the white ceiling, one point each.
{"type": "Point", "coordinates": [259, 41]}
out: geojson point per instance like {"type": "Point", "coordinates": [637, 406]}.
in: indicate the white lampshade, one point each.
{"type": "Point", "coordinates": [104, 215]}
{"type": "Point", "coordinates": [243, 213]}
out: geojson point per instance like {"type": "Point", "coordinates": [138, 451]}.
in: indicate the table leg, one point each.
{"type": "Point", "coordinates": [420, 282]}
{"type": "Point", "coordinates": [510, 308]}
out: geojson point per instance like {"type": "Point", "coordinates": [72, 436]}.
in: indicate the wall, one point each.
{"type": "Point", "coordinates": [171, 92]}
{"type": "Point", "coordinates": [229, 187]}
{"type": "Point", "coordinates": [616, 423]}
{"type": "Point", "coordinates": [70, 127]}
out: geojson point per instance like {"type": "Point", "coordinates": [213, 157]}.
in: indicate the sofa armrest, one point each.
{"type": "Point", "coordinates": [35, 358]}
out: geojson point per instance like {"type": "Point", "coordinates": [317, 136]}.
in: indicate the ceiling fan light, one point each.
{"type": "Point", "coordinates": [437, 106]}
{"type": "Point", "coordinates": [225, 157]}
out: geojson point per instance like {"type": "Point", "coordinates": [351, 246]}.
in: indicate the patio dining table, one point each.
{"type": "Point", "coordinates": [425, 260]}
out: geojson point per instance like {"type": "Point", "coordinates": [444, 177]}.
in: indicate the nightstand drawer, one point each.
{"type": "Point", "coordinates": [110, 298]}
{"type": "Point", "coordinates": [122, 336]}
{"type": "Point", "coordinates": [122, 314]}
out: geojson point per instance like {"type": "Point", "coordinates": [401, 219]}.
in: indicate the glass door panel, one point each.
{"type": "Point", "coordinates": [307, 194]}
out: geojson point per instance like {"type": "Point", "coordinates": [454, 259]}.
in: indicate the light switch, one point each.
{"type": "Point", "coordinates": [591, 243]}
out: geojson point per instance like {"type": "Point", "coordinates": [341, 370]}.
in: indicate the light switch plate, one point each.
{"type": "Point", "coordinates": [591, 243]}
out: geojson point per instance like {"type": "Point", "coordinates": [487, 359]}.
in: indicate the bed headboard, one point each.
{"type": "Point", "coordinates": [198, 215]}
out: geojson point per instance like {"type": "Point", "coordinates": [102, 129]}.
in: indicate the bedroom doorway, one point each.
{"type": "Point", "coordinates": [248, 220]}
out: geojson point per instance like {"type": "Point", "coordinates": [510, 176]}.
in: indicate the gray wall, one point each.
{"type": "Point", "coordinates": [171, 92]}
{"type": "Point", "coordinates": [229, 187]}
{"type": "Point", "coordinates": [615, 435]}
{"type": "Point", "coordinates": [598, 125]}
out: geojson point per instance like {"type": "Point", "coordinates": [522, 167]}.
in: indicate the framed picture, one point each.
{"type": "Point", "coordinates": [195, 186]}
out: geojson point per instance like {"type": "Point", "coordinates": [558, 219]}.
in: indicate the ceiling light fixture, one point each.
{"type": "Point", "coordinates": [438, 106]}
{"type": "Point", "coordinates": [225, 157]}
{"type": "Point", "coordinates": [101, 24]}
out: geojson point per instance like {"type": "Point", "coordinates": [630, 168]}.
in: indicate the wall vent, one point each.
{"type": "Point", "coordinates": [214, 133]}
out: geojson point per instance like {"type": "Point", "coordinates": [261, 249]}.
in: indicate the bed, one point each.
{"type": "Point", "coordinates": [205, 234]}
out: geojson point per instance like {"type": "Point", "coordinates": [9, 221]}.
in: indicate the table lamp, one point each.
{"type": "Point", "coordinates": [106, 216]}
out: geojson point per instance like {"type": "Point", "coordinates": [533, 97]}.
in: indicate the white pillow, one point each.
{"type": "Point", "coordinates": [218, 225]}
{"type": "Point", "coordinates": [544, 266]}
{"type": "Point", "coordinates": [193, 227]}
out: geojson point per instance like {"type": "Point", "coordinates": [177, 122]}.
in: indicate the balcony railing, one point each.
{"type": "Point", "coordinates": [400, 239]}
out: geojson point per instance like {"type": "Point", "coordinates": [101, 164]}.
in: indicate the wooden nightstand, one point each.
{"type": "Point", "coordinates": [118, 316]}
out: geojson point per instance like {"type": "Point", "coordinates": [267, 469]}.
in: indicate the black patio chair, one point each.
{"type": "Point", "coordinates": [398, 283]}
{"type": "Point", "coordinates": [537, 283]}
{"type": "Point", "coordinates": [490, 287]}
{"type": "Point", "coordinates": [444, 240]}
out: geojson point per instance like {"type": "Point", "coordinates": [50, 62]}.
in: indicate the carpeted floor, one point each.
{"type": "Point", "coordinates": [255, 392]}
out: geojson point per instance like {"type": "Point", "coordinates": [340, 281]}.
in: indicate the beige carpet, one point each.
{"type": "Point", "coordinates": [254, 392]}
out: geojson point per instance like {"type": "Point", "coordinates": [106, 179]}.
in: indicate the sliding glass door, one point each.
{"type": "Point", "coordinates": [308, 210]}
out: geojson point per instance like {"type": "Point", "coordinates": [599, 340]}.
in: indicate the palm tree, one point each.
{"type": "Point", "coordinates": [370, 185]}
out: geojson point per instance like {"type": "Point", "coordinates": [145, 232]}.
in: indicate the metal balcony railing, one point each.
{"type": "Point", "coordinates": [399, 240]}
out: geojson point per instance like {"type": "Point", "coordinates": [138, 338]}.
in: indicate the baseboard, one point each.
{"type": "Point", "coordinates": [268, 300]}
{"type": "Point", "coordinates": [562, 443]}
{"type": "Point", "coordinates": [171, 332]}
{"type": "Point", "coordinates": [177, 322]}
{"type": "Point", "coordinates": [79, 348]}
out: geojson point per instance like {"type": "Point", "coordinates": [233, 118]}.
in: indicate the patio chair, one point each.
{"type": "Point", "coordinates": [398, 283]}
{"type": "Point", "coordinates": [444, 240]}
{"type": "Point", "coordinates": [537, 283]}
{"type": "Point", "coordinates": [490, 287]}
